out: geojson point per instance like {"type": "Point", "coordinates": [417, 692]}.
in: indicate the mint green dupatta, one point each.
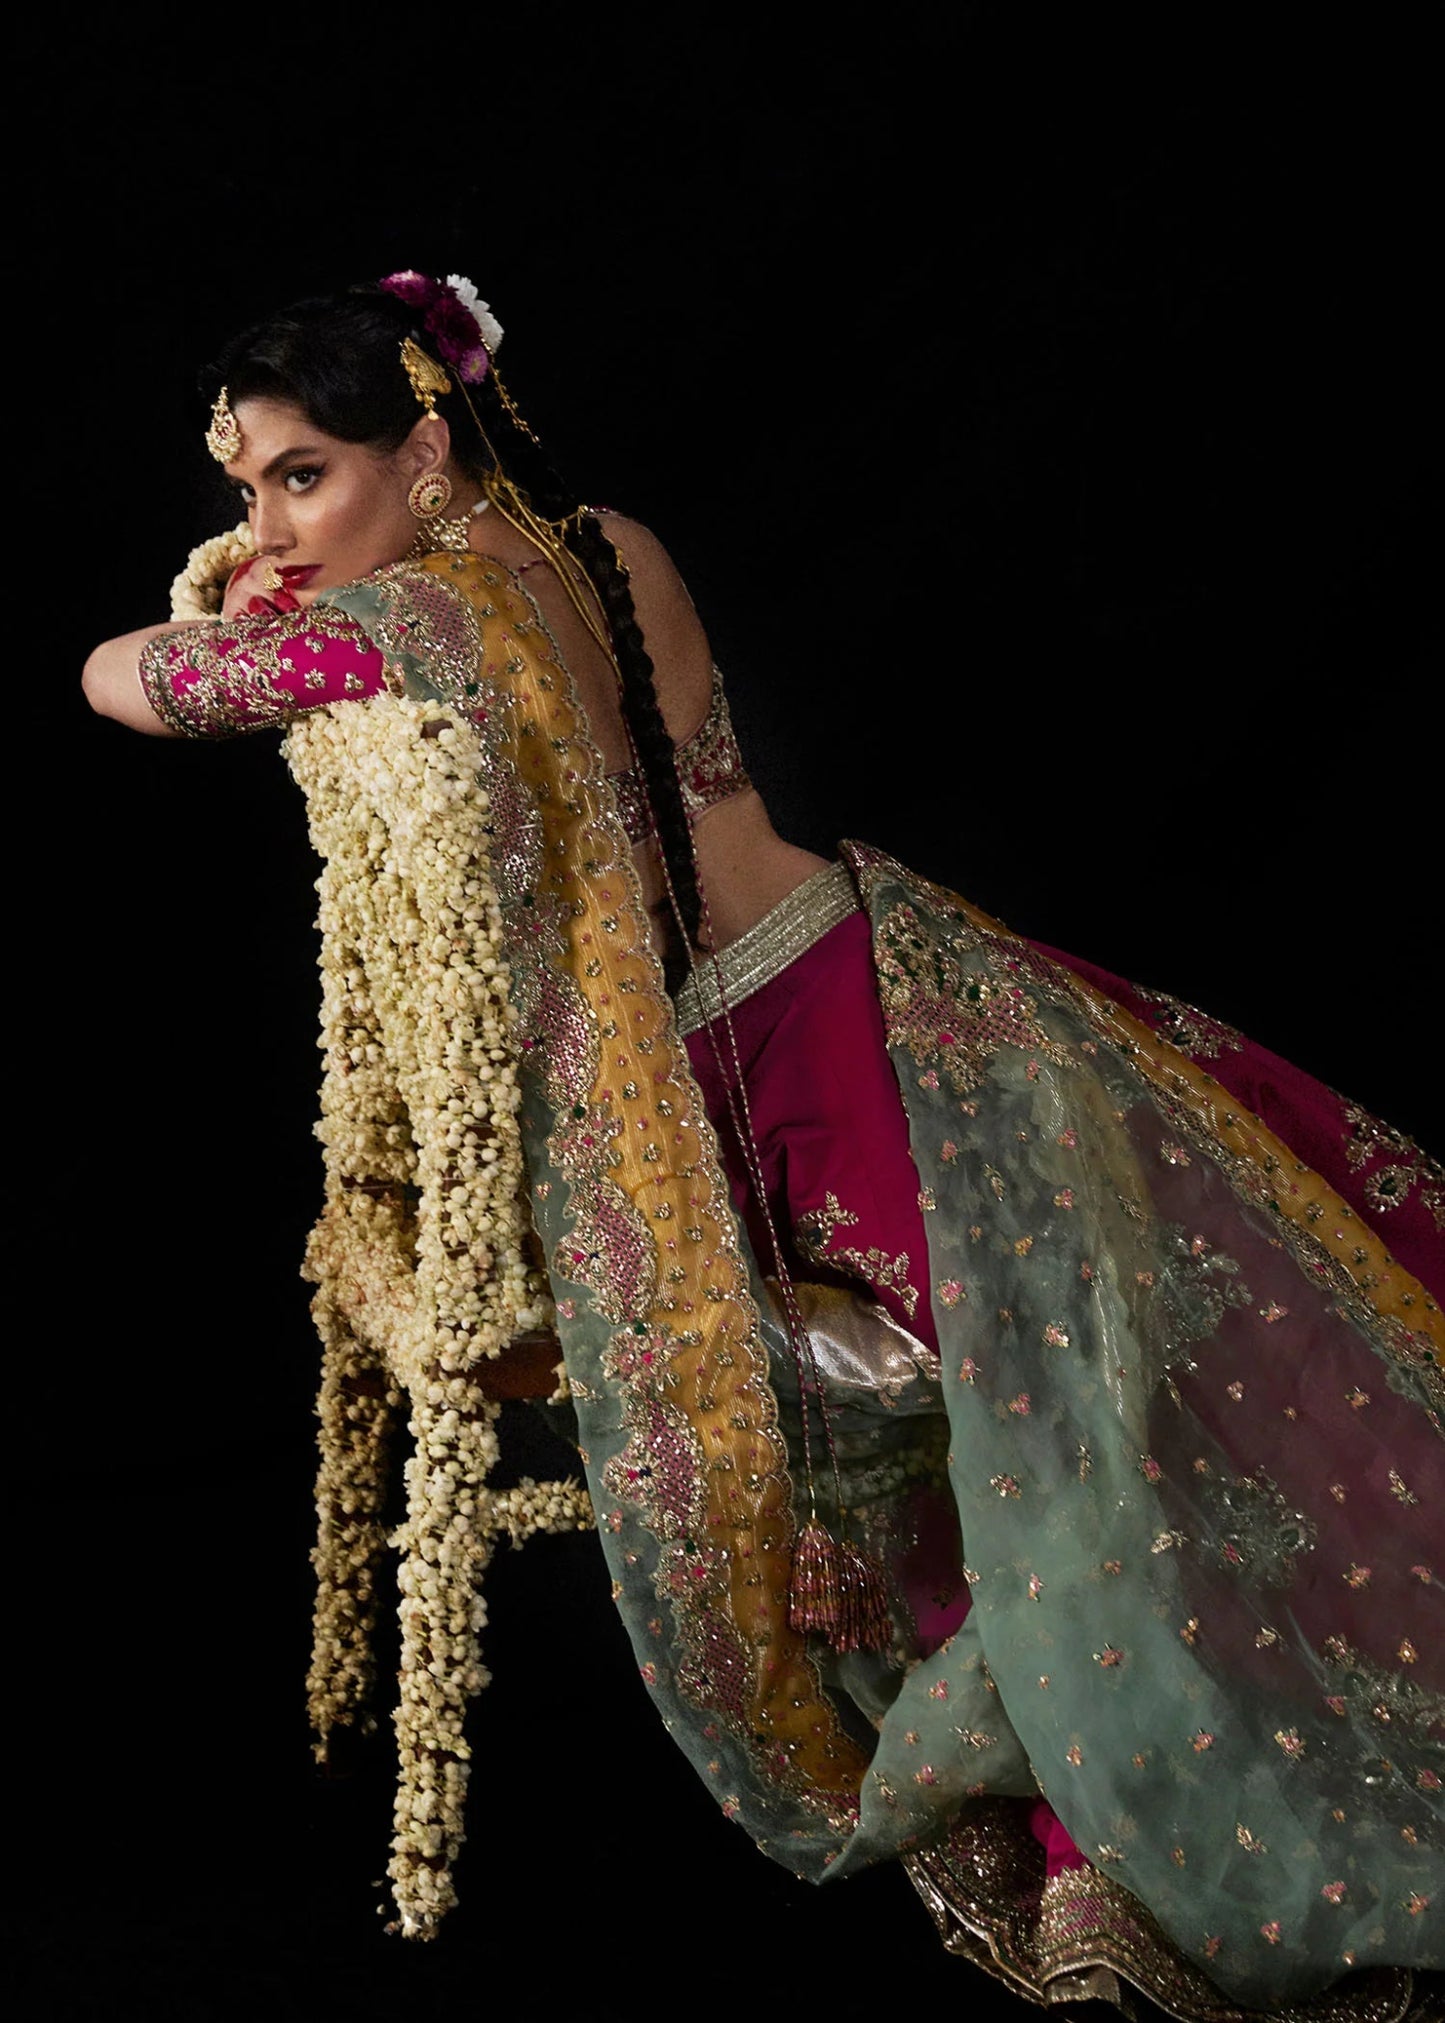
{"type": "Point", "coordinates": [1194, 1436]}
{"type": "Point", "coordinates": [1149, 1351]}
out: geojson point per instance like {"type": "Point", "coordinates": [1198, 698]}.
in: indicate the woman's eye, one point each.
{"type": "Point", "coordinates": [301, 480]}
{"type": "Point", "coordinates": [248, 497]}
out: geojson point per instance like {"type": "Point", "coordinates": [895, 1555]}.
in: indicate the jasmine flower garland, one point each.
{"type": "Point", "coordinates": [420, 1257]}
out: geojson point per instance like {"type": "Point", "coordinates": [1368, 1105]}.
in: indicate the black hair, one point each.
{"type": "Point", "coordinates": [336, 357]}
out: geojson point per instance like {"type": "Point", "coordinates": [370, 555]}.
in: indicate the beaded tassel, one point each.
{"type": "Point", "coordinates": [814, 1592]}
{"type": "Point", "coordinates": [863, 1621]}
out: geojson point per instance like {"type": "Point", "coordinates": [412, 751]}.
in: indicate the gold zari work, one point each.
{"type": "Point", "coordinates": [766, 950]}
{"type": "Point", "coordinates": [1080, 1935]}
{"type": "Point", "coordinates": [237, 665]}
{"type": "Point", "coordinates": [1324, 1232]}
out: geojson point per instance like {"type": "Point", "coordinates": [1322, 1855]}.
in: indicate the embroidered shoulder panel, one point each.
{"type": "Point", "coordinates": [425, 627]}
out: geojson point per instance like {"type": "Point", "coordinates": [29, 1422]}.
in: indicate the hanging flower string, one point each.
{"type": "Point", "coordinates": [421, 1256]}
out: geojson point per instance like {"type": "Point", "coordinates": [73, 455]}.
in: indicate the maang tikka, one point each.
{"type": "Point", "coordinates": [223, 437]}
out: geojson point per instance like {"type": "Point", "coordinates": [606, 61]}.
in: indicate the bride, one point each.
{"type": "Point", "coordinates": [1009, 1397]}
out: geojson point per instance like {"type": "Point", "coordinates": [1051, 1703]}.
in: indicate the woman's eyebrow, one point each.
{"type": "Point", "coordinates": [284, 457]}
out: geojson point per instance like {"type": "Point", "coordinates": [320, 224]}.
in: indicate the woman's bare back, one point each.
{"type": "Point", "coordinates": [744, 866]}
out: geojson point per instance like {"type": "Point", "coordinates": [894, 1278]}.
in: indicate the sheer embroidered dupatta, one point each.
{"type": "Point", "coordinates": [1179, 1632]}
{"type": "Point", "coordinates": [1193, 1410]}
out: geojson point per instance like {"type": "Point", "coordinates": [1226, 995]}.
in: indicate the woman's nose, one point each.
{"type": "Point", "coordinates": [270, 527]}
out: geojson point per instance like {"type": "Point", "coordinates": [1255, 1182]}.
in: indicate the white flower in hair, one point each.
{"type": "Point", "coordinates": [467, 295]}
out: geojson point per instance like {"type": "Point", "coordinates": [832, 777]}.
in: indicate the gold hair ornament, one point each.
{"type": "Point", "coordinates": [514, 413]}
{"type": "Point", "coordinates": [223, 437]}
{"type": "Point", "coordinates": [426, 376]}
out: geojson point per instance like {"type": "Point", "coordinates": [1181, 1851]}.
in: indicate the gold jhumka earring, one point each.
{"type": "Point", "coordinates": [223, 437]}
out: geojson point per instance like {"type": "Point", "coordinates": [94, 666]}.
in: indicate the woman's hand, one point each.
{"type": "Point", "coordinates": [260, 589]}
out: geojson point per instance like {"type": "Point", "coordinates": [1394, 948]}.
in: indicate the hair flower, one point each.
{"type": "Point", "coordinates": [460, 325]}
{"type": "Point", "coordinates": [479, 311]}
{"type": "Point", "coordinates": [412, 287]}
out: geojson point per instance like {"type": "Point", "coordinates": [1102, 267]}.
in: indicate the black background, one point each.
{"type": "Point", "coordinates": [1034, 399]}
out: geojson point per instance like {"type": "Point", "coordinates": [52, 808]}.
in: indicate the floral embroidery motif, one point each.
{"type": "Point", "coordinates": [1409, 1167]}
{"type": "Point", "coordinates": [1184, 1026]}
{"type": "Point", "coordinates": [814, 1232]}
{"type": "Point", "coordinates": [1389, 1698]}
{"type": "Point", "coordinates": [1255, 1528]}
{"type": "Point", "coordinates": [940, 1013]}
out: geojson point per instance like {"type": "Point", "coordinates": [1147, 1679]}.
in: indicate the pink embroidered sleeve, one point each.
{"type": "Point", "coordinates": [234, 675]}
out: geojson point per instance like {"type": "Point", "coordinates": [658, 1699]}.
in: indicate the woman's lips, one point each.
{"type": "Point", "coordinates": [299, 574]}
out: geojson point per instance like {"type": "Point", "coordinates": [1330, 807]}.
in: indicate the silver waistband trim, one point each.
{"type": "Point", "coordinates": [767, 948]}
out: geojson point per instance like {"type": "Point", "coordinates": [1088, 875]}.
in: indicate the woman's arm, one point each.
{"type": "Point", "coordinates": [111, 680]}
{"type": "Point", "coordinates": [222, 677]}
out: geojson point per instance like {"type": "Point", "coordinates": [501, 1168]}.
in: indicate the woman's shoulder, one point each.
{"type": "Point", "coordinates": [648, 564]}
{"type": "Point", "coordinates": [676, 641]}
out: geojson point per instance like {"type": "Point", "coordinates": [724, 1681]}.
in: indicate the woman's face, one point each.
{"type": "Point", "coordinates": [328, 510]}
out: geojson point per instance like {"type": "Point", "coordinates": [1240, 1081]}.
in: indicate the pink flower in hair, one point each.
{"type": "Point", "coordinates": [460, 325]}
{"type": "Point", "coordinates": [413, 288]}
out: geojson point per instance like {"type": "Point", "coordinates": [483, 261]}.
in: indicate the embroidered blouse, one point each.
{"type": "Point", "coordinates": [230, 676]}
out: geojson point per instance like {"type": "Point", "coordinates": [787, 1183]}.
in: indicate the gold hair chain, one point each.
{"type": "Point", "coordinates": [545, 535]}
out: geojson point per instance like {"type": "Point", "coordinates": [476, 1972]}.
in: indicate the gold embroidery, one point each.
{"type": "Point", "coordinates": [814, 1232]}
{"type": "Point", "coordinates": [418, 614]}
{"type": "Point", "coordinates": [709, 769]}
{"type": "Point", "coordinates": [1410, 1167]}
{"type": "Point", "coordinates": [235, 667]}
{"type": "Point", "coordinates": [1329, 1241]}
{"type": "Point", "coordinates": [1194, 1032]}
{"type": "Point", "coordinates": [1080, 1934]}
